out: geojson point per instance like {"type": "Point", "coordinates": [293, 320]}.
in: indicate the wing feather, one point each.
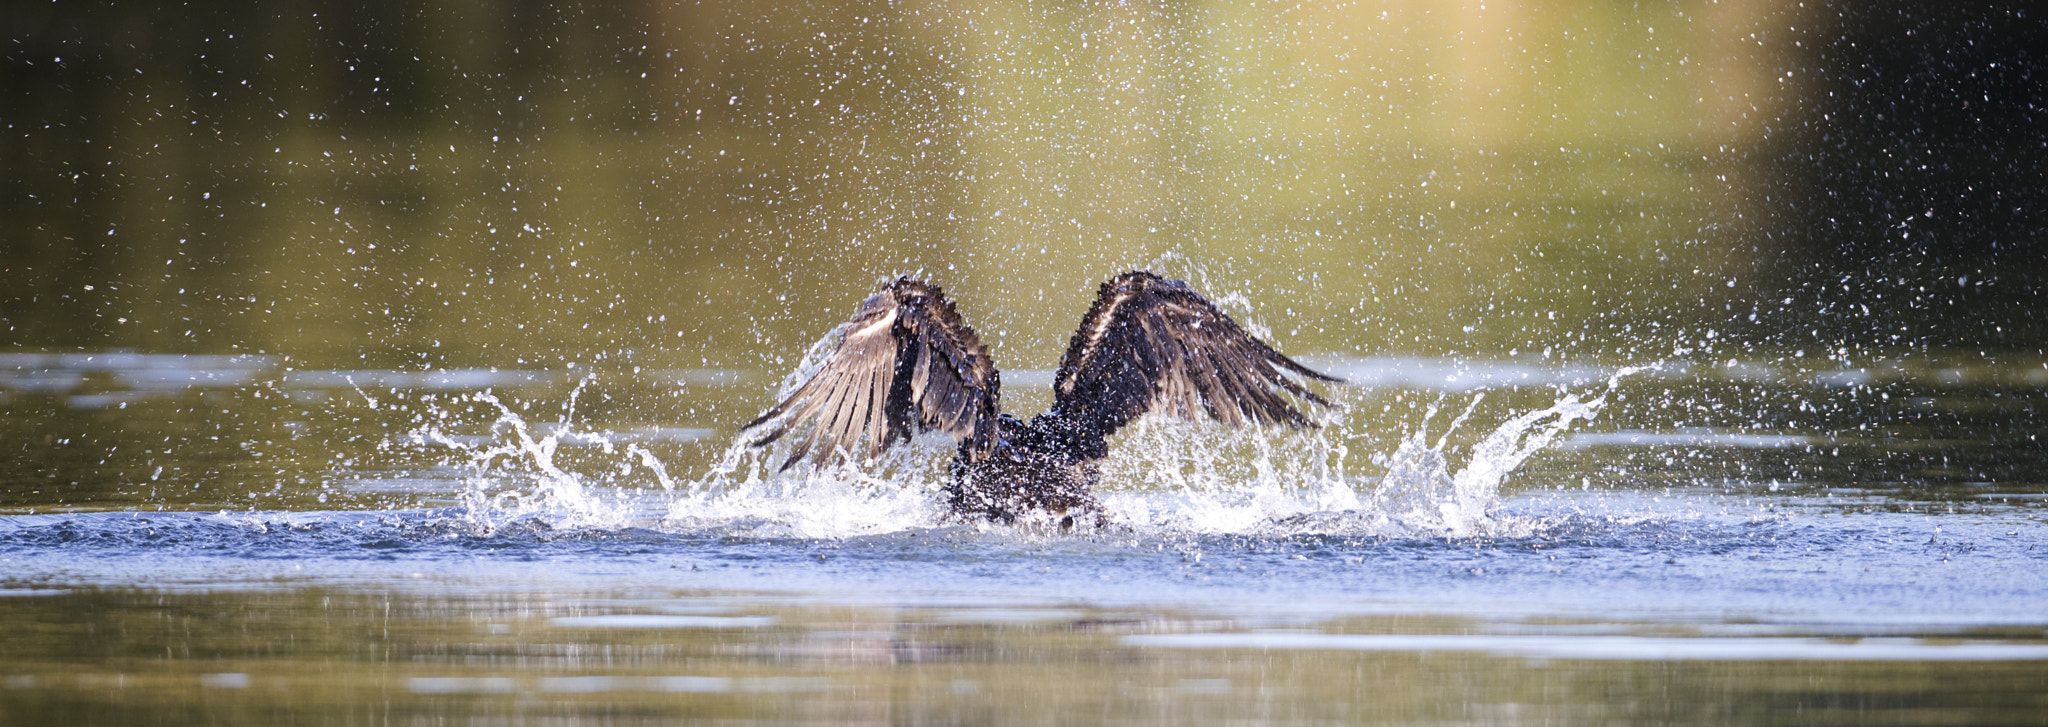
{"type": "Point", "coordinates": [905, 363]}
{"type": "Point", "coordinates": [1150, 344]}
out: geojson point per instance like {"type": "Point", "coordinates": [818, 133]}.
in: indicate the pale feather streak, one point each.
{"type": "Point", "coordinates": [853, 404]}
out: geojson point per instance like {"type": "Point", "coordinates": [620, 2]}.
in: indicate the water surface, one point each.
{"type": "Point", "coordinates": [1466, 542]}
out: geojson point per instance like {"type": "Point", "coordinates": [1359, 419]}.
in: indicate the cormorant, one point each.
{"type": "Point", "coordinates": [907, 363]}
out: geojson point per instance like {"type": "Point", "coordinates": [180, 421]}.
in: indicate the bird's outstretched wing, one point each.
{"type": "Point", "coordinates": [906, 363]}
{"type": "Point", "coordinates": [1153, 344]}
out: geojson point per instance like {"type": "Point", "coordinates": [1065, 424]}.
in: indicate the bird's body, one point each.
{"type": "Point", "coordinates": [907, 362]}
{"type": "Point", "coordinates": [1032, 468]}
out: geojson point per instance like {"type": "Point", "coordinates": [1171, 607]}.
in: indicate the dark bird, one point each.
{"type": "Point", "coordinates": [907, 363]}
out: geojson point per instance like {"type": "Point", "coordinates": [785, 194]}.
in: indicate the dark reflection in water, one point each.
{"type": "Point", "coordinates": [318, 655]}
{"type": "Point", "coordinates": [466, 184]}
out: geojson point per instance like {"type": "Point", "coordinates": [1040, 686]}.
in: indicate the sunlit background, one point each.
{"type": "Point", "coordinates": [715, 184]}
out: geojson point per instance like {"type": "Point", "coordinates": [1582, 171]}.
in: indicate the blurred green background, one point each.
{"type": "Point", "coordinates": [690, 184]}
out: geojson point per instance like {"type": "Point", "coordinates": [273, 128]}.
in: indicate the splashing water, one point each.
{"type": "Point", "coordinates": [1420, 494]}
{"type": "Point", "coordinates": [1164, 477]}
{"type": "Point", "coordinates": [513, 474]}
{"type": "Point", "coordinates": [748, 490]}
{"type": "Point", "coordinates": [747, 493]}
{"type": "Point", "coordinates": [1200, 478]}
{"type": "Point", "coordinates": [1173, 476]}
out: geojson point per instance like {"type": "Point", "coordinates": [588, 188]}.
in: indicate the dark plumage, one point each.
{"type": "Point", "coordinates": [908, 363]}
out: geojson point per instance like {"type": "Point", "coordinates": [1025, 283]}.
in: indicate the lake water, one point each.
{"type": "Point", "coordinates": [380, 363]}
{"type": "Point", "coordinates": [1788, 540]}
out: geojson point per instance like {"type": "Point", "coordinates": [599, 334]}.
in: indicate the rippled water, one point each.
{"type": "Point", "coordinates": [222, 539]}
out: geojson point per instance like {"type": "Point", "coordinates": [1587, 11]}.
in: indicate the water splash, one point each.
{"type": "Point", "coordinates": [747, 493]}
{"type": "Point", "coordinates": [513, 474]}
{"type": "Point", "coordinates": [1164, 477]}
{"type": "Point", "coordinates": [1419, 493]}
{"type": "Point", "coordinates": [563, 474]}
{"type": "Point", "coordinates": [1199, 478]}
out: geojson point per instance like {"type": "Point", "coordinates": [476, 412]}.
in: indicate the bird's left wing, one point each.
{"type": "Point", "coordinates": [1153, 344]}
{"type": "Point", "coordinates": [906, 363]}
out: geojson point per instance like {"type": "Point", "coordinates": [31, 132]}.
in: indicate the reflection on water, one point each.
{"type": "Point", "coordinates": [1623, 648]}
{"type": "Point", "coordinates": [405, 656]}
{"type": "Point", "coordinates": [668, 183]}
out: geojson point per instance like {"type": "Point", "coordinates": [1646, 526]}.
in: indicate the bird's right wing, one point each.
{"type": "Point", "coordinates": [906, 363]}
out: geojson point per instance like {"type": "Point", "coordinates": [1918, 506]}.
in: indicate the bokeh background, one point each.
{"type": "Point", "coordinates": [406, 270]}
{"type": "Point", "coordinates": [715, 184]}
